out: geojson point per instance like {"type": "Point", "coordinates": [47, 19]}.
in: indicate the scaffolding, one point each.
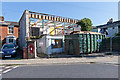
{"type": "Point", "coordinates": [36, 25]}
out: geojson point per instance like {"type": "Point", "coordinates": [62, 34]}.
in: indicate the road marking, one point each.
{"type": "Point", "coordinates": [15, 67]}
{"type": "Point", "coordinates": [7, 70]}
{"type": "Point", "coordinates": [7, 67]}
{"type": "Point", "coordinates": [2, 66]}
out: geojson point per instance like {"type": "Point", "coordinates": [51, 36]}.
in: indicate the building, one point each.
{"type": "Point", "coordinates": [9, 31]}
{"type": "Point", "coordinates": [47, 31]}
{"type": "Point", "coordinates": [94, 29]}
{"type": "Point", "coordinates": [110, 29]}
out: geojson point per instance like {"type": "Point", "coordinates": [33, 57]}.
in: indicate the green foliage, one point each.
{"type": "Point", "coordinates": [85, 24]}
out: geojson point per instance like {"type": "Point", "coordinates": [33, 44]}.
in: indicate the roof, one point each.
{"type": "Point", "coordinates": [4, 23]}
{"type": "Point", "coordinates": [113, 24]}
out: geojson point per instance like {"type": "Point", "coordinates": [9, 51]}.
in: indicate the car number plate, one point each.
{"type": "Point", "coordinates": [8, 56]}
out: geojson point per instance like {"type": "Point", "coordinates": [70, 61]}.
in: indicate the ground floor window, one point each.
{"type": "Point", "coordinates": [57, 43]}
{"type": "Point", "coordinates": [10, 40]}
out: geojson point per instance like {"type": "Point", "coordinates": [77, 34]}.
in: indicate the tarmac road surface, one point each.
{"type": "Point", "coordinates": [64, 71]}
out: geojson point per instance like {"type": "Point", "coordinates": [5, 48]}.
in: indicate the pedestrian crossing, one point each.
{"type": "Point", "coordinates": [5, 69]}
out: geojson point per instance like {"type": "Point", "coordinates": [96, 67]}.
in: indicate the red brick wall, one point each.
{"type": "Point", "coordinates": [16, 29]}
{"type": "Point", "coordinates": [4, 32]}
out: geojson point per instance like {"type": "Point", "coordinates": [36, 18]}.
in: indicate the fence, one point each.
{"type": "Point", "coordinates": [115, 44]}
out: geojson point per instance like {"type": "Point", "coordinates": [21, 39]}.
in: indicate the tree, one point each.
{"type": "Point", "coordinates": [85, 24]}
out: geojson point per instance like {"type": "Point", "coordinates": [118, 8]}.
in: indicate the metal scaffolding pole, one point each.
{"type": "Point", "coordinates": [54, 27]}
{"type": "Point", "coordinates": [64, 28]}
{"type": "Point", "coordinates": [43, 23]}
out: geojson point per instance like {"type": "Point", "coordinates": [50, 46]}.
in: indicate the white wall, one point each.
{"type": "Point", "coordinates": [55, 50]}
{"type": "Point", "coordinates": [22, 32]}
{"type": "Point", "coordinates": [46, 48]}
{"type": "Point", "coordinates": [111, 32]}
{"type": "Point", "coordinates": [24, 29]}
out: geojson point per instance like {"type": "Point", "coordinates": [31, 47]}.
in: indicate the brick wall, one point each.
{"type": "Point", "coordinates": [4, 32]}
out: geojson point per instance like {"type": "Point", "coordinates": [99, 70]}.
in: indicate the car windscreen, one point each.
{"type": "Point", "coordinates": [8, 46]}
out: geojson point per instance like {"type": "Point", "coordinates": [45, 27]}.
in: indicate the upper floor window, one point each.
{"type": "Point", "coordinates": [10, 29]}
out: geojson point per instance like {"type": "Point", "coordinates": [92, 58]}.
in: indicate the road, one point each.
{"type": "Point", "coordinates": [64, 71]}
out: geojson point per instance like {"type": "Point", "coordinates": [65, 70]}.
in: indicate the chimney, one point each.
{"type": "Point", "coordinates": [110, 21]}
{"type": "Point", "coordinates": [1, 18]}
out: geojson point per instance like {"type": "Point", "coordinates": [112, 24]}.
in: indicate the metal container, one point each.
{"type": "Point", "coordinates": [48, 45]}
{"type": "Point", "coordinates": [83, 43]}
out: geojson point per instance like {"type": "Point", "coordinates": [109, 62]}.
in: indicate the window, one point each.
{"type": "Point", "coordinates": [8, 46]}
{"type": "Point", "coordinates": [10, 29]}
{"type": "Point", "coordinates": [35, 31]}
{"type": "Point", "coordinates": [10, 40]}
{"type": "Point", "coordinates": [57, 43]}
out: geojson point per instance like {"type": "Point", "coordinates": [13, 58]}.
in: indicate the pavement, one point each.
{"type": "Point", "coordinates": [102, 59]}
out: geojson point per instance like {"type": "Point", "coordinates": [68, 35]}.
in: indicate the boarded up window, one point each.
{"type": "Point", "coordinates": [35, 31]}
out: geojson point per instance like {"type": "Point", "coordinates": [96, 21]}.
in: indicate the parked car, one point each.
{"type": "Point", "coordinates": [8, 50]}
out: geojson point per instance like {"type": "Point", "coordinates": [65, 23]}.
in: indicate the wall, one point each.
{"type": "Point", "coordinates": [41, 45]}
{"type": "Point", "coordinates": [24, 29]}
{"type": "Point", "coordinates": [0, 43]}
{"type": "Point", "coordinates": [22, 33]}
{"type": "Point", "coordinates": [44, 45]}
{"type": "Point", "coordinates": [4, 32]}
{"type": "Point", "coordinates": [111, 32]}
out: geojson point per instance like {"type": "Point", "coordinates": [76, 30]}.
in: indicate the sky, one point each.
{"type": "Point", "coordinates": [98, 12]}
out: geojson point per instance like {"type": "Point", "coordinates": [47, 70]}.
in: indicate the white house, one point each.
{"type": "Point", "coordinates": [110, 29]}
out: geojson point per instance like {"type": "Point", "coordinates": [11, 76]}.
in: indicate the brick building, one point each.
{"type": "Point", "coordinates": [8, 31]}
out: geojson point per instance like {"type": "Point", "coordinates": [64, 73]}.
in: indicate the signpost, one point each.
{"type": "Point", "coordinates": [99, 40]}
